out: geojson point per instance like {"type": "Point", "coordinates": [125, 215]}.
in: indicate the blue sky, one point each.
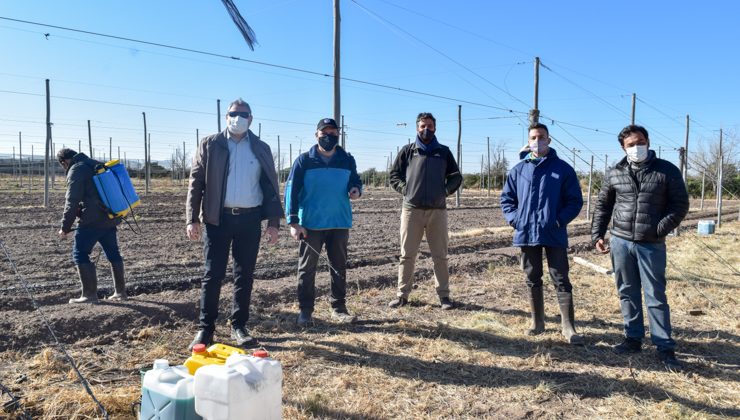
{"type": "Point", "coordinates": [677, 57]}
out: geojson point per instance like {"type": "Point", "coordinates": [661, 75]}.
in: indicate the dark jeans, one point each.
{"type": "Point", "coordinates": [242, 234]}
{"type": "Point", "coordinates": [336, 250]}
{"type": "Point", "coordinates": [85, 240]}
{"type": "Point", "coordinates": [641, 265]}
{"type": "Point", "coordinates": [557, 263]}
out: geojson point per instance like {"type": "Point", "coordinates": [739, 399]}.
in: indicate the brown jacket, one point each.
{"type": "Point", "coordinates": [207, 188]}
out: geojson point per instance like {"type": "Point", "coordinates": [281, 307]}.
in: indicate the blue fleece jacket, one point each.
{"type": "Point", "coordinates": [316, 193]}
{"type": "Point", "coordinates": [539, 199]}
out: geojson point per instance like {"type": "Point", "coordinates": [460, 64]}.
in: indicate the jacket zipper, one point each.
{"type": "Point", "coordinates": [636, 190]}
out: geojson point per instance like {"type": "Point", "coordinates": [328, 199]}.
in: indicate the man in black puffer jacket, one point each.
{"type": "Point", "coordinates": [647, 198]}
{"type": "Point", "coordinates": [93, 226]}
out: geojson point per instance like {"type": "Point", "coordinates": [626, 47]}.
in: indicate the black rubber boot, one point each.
{"type": "Point", "coordinates": [119, 283]}
{"type": "Point", "coordinates": [567, 318]}
{"type": "Point", "coordinates": [89, 280]}
{"type": "Point", "coordinates": [537, 308]}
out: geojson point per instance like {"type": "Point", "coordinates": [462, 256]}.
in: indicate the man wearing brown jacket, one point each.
{"type": "Point", "coordinates": [233, 187]}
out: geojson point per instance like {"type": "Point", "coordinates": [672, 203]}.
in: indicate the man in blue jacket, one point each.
{"type": "Point", "coordinates": [541, 196]}
{"type": "Point", "coordinates": [317, 193]}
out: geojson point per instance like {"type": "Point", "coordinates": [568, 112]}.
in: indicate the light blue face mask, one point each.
{"type": "Point", "coordinates": [539, 148]}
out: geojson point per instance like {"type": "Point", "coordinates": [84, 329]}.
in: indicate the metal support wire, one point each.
{"type": "Point", "coordinates": [59, 345]}
{"type": "Point", "coordinates": [14, 404]}
{"type": "Point", "coordinates": [693, 283]}
{"type": "Point", "coordinates": [328, 262]}
{"type": "Point", "coordinates": [710, 251]}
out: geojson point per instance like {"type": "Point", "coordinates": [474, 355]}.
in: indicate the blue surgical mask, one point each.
{"type": "Point", "coordinates": [539, 147]}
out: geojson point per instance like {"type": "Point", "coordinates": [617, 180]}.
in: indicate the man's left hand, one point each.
{"type": "Point", "coordinates": [62, 234]}
{"type": "Point", "coordinates": [273, 234]}
{"type": "Point", "coordinates": [354, 193]}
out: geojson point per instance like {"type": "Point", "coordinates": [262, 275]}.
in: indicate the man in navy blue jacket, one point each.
{"type": "Point", "coordinates": [317, 194]}
{"type": "Point", "coordinates": [541, 196]}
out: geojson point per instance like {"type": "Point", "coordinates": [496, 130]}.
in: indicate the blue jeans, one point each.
{"type": "Point", "coordinates": [85, 240]}
{"type": "Point", "coordinates": [241, 234]}
{"type": "Point", "coordinates": [641, 265]}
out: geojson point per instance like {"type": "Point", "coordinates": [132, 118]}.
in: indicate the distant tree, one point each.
{"type": "Point", "coordinates": [706, 158]}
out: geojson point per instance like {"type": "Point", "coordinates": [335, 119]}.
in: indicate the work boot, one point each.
{"type": "Point", "coordinates": [304, 318]}
{"type": "Point", "coordinates": [445, 303]}
{"type": "Point", "coordinates": [398, 302]}
{"type": "Point", "coordinates": [241, 336]}
{"type": "Point", "coordinates": [567, 318]}
{"type": "Point", "coordinates": [116, 269]}
{"type": "Point", "coordinates": [202, 337]}
{"type": "Point", "coordinates": [342, 316]}
{"type": "Point", "coordinates": [668, 357]}
{"type": "Point", "coordinates": [537, 309]}
{"type": "Point", "coordinates": [629, 345]}
{"type": "Point", "coordinates": [89, 280]}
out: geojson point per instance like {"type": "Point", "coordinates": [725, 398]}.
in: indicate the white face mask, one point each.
{"type": "Point", "coordinates": [539, 147]}
{"type": "Point", "coordinates": [637, 154]}
{"type": "Point", "coordinates": [238, 125]}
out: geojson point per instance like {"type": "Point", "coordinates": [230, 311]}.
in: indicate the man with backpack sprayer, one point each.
{"type": "Point", "coordinates": [94, 225]}
{"type": "Point", "coordinates": [317, 194]}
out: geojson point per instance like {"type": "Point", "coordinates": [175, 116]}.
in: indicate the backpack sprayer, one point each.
{"type": "Point", "coordinates": [116, 190]}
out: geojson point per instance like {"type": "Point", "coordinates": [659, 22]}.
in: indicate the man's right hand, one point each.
{"type": "Point", "coordinates": [298, 232]}
{"type": "Point", "coordinates": [602, 247]}
{"type": "Point", "coordinates": [193, 231]}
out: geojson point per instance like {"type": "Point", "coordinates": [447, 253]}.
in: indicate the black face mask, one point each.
{"type": "Point", "coordinates": [328, 142]}
{"type": "Point", "coordinates": [426, 135]}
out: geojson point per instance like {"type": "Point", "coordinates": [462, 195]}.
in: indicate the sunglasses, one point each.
{"type": "Point", "coordinates": [243, 114]}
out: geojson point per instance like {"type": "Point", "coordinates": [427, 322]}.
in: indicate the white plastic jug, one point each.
{"type": "Point", "coordinates": [245, 388]}
{"type": "Point", "coordinates": [167, 393]}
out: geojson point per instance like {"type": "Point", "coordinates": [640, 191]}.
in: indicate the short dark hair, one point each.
{"type": "Point", "coordinates": [535, 126]}
{"type": "Point", "coordinates": [424, 116]}
{"type": "Point", "coordinates": [239, 102]}
{"type": "Point", "coordinates": [65, 154]}
{"type": "Point", "coordinates": [631, 129]}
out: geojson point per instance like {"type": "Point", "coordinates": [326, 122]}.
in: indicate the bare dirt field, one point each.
{"type": "Point", "coordinates": [413, 362]}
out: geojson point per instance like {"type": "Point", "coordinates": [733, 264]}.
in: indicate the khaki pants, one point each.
{"type": "Point", "coordinates": [414, 224]}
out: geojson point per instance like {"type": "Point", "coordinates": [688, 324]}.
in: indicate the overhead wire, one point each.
{"type": "Point", "coordinates": [262, 63]}
{"type": "Point", "coordinates": [438, 51]}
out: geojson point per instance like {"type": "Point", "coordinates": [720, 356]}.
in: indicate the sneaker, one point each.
{"type": "Point", "coordinates": [241, 336]}
{"type": "Point", "coordinates": [398, 302]}
{"type": "Point", "coordinates": [304, 319]}
{"type": "Point", "coordinates": [629, 345]}
{"type": "Point", "coordinates": [342, 316]}
{"type": "Point", "coordinates": [202, 337]}
{"type": "Point", "coordinates": [668, 357]}
{"type": "Point", "coordinates": [445, 303]}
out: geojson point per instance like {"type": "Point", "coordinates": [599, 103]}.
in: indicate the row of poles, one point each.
{"type": "Point", "coordinates": [683, 152]}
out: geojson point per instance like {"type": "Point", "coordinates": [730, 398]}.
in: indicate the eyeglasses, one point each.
{"type": "Point", "coordinates": [243, 114]}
